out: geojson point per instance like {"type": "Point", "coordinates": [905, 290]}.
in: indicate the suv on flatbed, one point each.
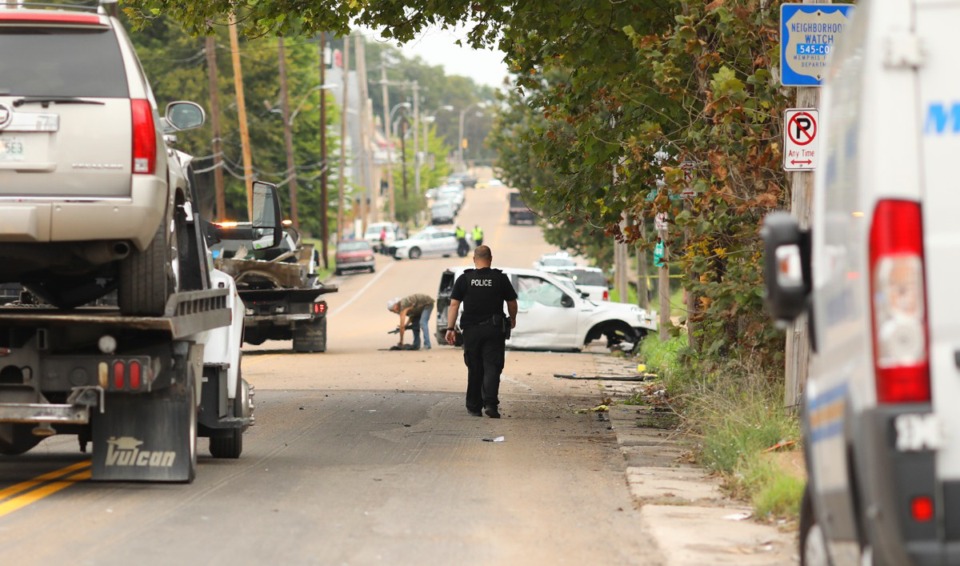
{"type": "Point", "coordinates": [91, 199]}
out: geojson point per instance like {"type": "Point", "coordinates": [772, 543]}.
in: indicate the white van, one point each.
{"type": "Point", "coordinates": [877, 277]}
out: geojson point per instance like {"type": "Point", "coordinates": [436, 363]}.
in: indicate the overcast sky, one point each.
{"type": "Point", "coordinates": [438, 47]}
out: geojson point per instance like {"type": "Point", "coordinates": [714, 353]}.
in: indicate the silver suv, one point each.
{"type": "Point", "coordinates": [91, 197]}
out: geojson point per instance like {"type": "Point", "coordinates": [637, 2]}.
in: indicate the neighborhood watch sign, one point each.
{"type": "Point", "coordinates": [808, 34]}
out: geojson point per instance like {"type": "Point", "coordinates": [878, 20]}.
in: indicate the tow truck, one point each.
{"type": "Point", "coordinates": [140, 388]}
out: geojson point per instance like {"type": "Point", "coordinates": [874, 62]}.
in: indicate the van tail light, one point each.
{"type": "Point", "coordinates": [898, 303]}
{"type": "Point", "coordinates": [144, 137]}
{"type": "Point", "coordinates": [606, 295]}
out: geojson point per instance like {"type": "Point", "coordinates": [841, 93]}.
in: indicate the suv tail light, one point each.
{"type": "Point", "coordinates": [898, 303]}
{"type": "Point", "coordinates": [144, 137]}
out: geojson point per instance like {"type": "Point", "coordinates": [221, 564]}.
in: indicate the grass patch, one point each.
{"type": "Point", "coordinates": [734, 411]}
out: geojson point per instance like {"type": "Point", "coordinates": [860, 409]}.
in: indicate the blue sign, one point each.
{"type": "Point", "coordinates": [808, 34]}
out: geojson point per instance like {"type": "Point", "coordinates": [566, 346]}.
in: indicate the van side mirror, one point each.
{"type": "Point", "coordinates": [786, 269]}
{"type": "Point", "coordinates": [566, 301]}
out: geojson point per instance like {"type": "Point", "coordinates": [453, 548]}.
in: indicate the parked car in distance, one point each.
{"type": "Point", "coordinates": [554, 262]}
{"type": "Point", "coordinates": [372, 233]}
{"type": "Point", "coordinates": [443, 212]}
{"type": "Point", "coordinates": [466, 180]}
{"type": "Point", "coordinates": [590, 280]}
{"type": "Point", "coordinates": [453, 193]}
{"type": "Point", "coordinates": [519, 211]}
{"type": "Point", "coordinates": [354, 255]}
{"type": "Point", "coordinates": [428, 242]}
{"type": "Point", "coordinates": [551, 316]}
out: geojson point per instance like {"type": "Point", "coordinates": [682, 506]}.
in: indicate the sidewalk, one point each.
{"type": "Point", "coordinates": [684, 511]}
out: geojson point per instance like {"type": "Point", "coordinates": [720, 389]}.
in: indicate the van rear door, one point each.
{"type": "Point", "coordinates": [939, 89]}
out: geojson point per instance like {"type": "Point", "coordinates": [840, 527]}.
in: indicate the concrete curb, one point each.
{"type": "Point", "coordinates": [683, 508]}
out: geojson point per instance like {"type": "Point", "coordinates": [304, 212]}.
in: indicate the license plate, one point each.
{"type": "Point", "coordinates": [11, 149]}
{"type": "Point", "coordinates": [918, 432]}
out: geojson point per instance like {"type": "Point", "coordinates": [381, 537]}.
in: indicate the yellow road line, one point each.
{"type": "Point", "coordinates": [21, 501]}
{"type": "Point", "coordinates": [30, 484]}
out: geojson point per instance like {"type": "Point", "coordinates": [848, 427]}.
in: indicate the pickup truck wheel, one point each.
{"type": "Point", "coordinates": [415, 253]}
{"type": "Point", "coordinates": [16, 439]}
{"type": "Point", "coordinates": [311, 337]}
{"type": "Point", "coordinates": [230, 445]}
{"type": "Point", "coordinates": [813, 545]}
{"type": "Point", "coordinates": [146, 277]}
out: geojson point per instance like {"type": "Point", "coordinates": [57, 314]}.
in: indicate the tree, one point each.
{"type": "Point", "coordinates": [624, 105]}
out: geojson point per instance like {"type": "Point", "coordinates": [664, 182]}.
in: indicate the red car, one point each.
{"type": "Point", "coordinates": [354, 255]}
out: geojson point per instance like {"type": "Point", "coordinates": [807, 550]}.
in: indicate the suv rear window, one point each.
{"type": "Point", "coordinates": [61, 62]}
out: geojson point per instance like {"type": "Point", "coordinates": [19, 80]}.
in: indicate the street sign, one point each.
{"type": "Point", "coordinates": [808, 33]}
{"type": "Point", "coordinates": [800, 141]}
{"type": "Point", "coordinates": [660, 221]}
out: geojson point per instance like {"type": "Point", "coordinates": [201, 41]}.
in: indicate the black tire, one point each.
{"type": "Point", "coordinates": [230, 445]}
{"type": "Point", "coordinates": [337, 272]}
{"type": "Point", "coordinates": [311, 337]}
{"type": "Point", "coordinates": [146, 278]}
{"type": "Point", "coordinates": [813, 551]}
{"type": "Point", "coordinates": [16, 439]}
{"type": "Point", "coordinates": [373, 269]}
{"type": "Point", "coordinates": [193, 426]}
{"type": "Point", "coordinates": [415, 253]}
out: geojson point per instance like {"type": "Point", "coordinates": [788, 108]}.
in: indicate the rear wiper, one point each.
{"type": "Point", "coordinates": [46, 100]}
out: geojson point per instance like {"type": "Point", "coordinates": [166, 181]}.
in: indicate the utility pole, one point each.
{"type": "Point", "coordinates": [242, 115]}
{"type": "Point", "coordinates": [324, 229]}
{"type": "Point", "coordinates": [416, 137]}
{"type": "Point", "coordinates": [343, 137]}
{"type": "Point", "coordinates": [663, 284]}
{"type": "Point", "coordinates": [366, 201]}
{"type": "Point", "coordinates": [388, 134]}
{"type": "Point", "coordinates": [403, 154]}
{"type": "Point", "coordinates": [642, 273]}
{"type": "Point", "coordinates": [288, 134]}
{"type": "Point", "coordinates": [797, 349]}
{"type": "Point", "coordinates": [215, 126]}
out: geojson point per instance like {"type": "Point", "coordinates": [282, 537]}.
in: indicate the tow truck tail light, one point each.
{"type": "Point", "coordinates": [135, 379]}
{"type": "Point", "coordinates": [144, 137]}
{"type": "Point", "coordinates": [898, 303]}
{"type": "Point", "coordinates": [319, 308]}
{"type": "Point", "coordinates": [119, 369]}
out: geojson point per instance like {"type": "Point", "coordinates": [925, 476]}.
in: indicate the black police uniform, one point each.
{"type": "Point", "coordinates": [483, 292]}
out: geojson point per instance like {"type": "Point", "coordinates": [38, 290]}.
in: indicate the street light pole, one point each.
{"type": "Point", "coordinates": [288, 135]}
{"type": "Point", "coordinates": [463, 114]}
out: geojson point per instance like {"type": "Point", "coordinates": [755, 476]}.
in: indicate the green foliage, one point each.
{"type": "Point", "coordinates": [735, 412]}
{"type": "Point", "coordinates": [681, 98]}
{"type": "Point", "coordinates": [774, 492]}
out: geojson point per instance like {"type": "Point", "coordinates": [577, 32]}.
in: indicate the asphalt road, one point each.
{"type": "Point", "coordinates": [362, 456]}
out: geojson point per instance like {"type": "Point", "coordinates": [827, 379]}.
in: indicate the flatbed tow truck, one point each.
{"type": "Point", "coordinates": [140, 388]}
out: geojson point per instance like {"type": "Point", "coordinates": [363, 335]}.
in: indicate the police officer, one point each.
{"type": "Point", "coordinates": [477, 235]}
{"type": "Point", "coordinates": [462, 246]}
{"type": "Point", "coordinates": [482, 291]}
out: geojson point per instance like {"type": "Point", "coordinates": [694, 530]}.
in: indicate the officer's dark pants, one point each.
{"type": "Point", "coordinates": [483, 351]}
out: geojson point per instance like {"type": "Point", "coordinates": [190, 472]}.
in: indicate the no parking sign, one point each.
{"type": "Point", "coordinates": [800, 141]}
